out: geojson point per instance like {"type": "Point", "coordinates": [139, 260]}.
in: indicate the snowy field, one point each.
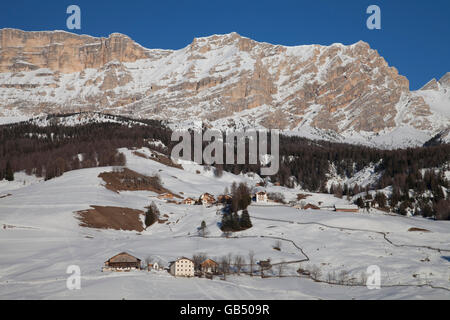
{"type": "Point", "coordinates": [40, 237]}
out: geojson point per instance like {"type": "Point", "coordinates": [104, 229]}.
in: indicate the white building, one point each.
{"type": "Point", "coordinates": [182, 267]}
{"type": "Point", "coordinates": [261, 196]}
{"type": "Point", "coordinates": [207, 199]}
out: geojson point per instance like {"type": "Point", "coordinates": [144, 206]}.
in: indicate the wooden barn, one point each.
{"type": "Point", "coordinates": [123, 262]}
{"type": "Point", "coordinates": [209, 266]}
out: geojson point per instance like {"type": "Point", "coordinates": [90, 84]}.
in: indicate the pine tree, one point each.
{"type": "Point", "coordinates": [355, 189]}
{"type": "Point", "coordinates": [235, 225]}
{"type": "Point", "coordinates": [9, 174]}
{"type": "Point", "coordinates": [345, 191]}
{"type": "Point", "coordinates": [380, 198]}
{"type": "Point", "coordinates": [152, 215]}
{"type": "Point", "coordinates": [359, 202]}
{"type": "Point", "coordinates": [426, 211]}
{"type": "Point", "coordinates": [395, 197]}
{"type": "Point", "coordinates": [202, 229]}
{"type": "Point", "coordinates": [442, 209]}
{"type": "Point", "coordinates": [245, 221]}
{"type": "Point", "coordinates": [403, 208]}
{"type": "Point", "coordinates": [244, 197]}
{"type": "Point", "coordinates": [226, 223]}
{"type": "Point", "coordinates": [332, 188]}
{"type": "Point", "coordinates": [338, 191]}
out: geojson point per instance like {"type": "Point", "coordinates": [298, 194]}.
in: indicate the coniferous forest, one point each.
{"type": "Point", "coordinates": [49, 151]}
{"type": "Point", "coordinates": [52, 150]}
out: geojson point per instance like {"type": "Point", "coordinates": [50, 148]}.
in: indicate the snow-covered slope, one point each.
{"type": "Point", "coordinates": [42, 237]}
{"type": "Point", "coordinates": [437, 95]}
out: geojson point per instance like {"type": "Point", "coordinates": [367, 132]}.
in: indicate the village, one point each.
{"type": "Point", "coordinates": [260, 197]}
{"type": "Point", "coordinates": [201, 265]}
{"type": "Point", "coordinates": [198, 265]}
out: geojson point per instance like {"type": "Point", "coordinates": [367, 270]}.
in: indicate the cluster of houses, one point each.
{"type": "Point", "coordinates": [181, 267]}
{"type": "Point", "coordinates": [208, 199]}
{"type": "Point", "coordinates": [260, 196]}
{"type": "Point", "coordinates": [205, 199]}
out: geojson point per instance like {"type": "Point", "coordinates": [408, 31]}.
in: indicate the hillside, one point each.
{"type": "Point", "coordinates": [49, 146]}
{"type": "Point", "coordinates": [39, 218]}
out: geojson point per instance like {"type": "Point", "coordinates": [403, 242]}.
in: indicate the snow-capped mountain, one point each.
{"type": "Point", "coordinates": [339, 93]}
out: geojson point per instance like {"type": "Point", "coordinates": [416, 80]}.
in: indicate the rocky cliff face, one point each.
{"type": "Point", "coordinates": [62, 51]}
{"type": "Point", "coordinates": [345, 93]}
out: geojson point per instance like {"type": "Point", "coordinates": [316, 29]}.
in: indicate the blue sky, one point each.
{"type": "Point", "coordinates": [414, 36]}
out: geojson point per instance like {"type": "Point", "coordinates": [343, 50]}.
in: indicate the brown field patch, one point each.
{"type": "Point", "coordinates": [418, 229]}
{"type": "Point", "coordinates": [159, 158]}
{"type": "Point", "coordinates": [116, 218]}
{"type": "Point", "coordinates": [129, 180]}
{"type": "Point", "coordinates": [301, 196]}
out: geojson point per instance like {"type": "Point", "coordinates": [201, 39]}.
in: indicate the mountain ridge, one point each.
{"type": "Point", "coordinates": [227, 81]}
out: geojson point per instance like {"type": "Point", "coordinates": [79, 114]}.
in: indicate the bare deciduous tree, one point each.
{"type": "Point", "coordinates": [281, 269]}
{"type": "Point", "coordinates": [148, 260]}
{"type": "Point", "coordinates": [363, 278]}
{"type": "Point", "coordinates": [315, 272]}
{"type": "Point", "coordinates": [251, 261]}
{"type": "Point", "coordinates": [331, 277]}
{"type": "Point", "coordinates": [229, 261]}
{"type": "Point", "coordinates": [198, 259]}
{"type": "Point", "coordinates": [343, 277]}
{"type": "Point", "coordinates": [238, 262]}
{"type": "Point", "coordinates": [224, 267]}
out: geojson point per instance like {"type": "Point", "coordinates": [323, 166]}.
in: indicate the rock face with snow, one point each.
{"type": "Point", "coordinates": [337, 92]}
{"type": "Point", "coordinates": [61, 51]}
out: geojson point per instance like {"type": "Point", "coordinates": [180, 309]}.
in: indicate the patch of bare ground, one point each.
{"type": "Point", "coordinates": [117, 218]}
{"type": "Point", "coordinates": [159, 158]}
{"type": "Point", "coordinates": [418, 229]}
{"type": "Point", "coordinates": [302, 196]}
{"type": "Point", "coordinates": [129, 180]}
